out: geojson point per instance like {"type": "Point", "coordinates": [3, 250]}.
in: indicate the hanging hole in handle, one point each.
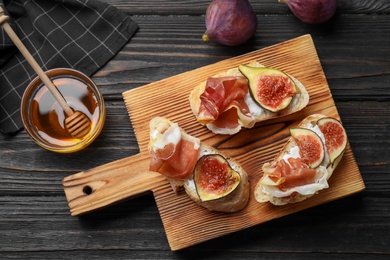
{"type": "Point", "coordinates": [87, 190]}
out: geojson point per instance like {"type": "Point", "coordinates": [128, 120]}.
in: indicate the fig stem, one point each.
{"type": "Point", "coordinates": [205, 37]}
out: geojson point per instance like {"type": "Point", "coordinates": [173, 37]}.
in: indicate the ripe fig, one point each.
{"type": "Point", "coordinates": [311, 147]}
{"type": "Point", "coordinates": [335, 137]}
{"type": "Point", "coordinates": [312, 11]}
{"type": "Point", "coordinates": [230, 22]}
{"type": "Point", "coordinates": [272, 89]}
{"type": "Point", "coordinates": [214, 178]}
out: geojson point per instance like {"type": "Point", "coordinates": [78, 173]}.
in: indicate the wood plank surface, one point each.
{"type": "Point", "coordinates": [353, 48]}
{"type": "Point", "coordinates": [108, 184]}
{"type": "Point", "coordinates": [252, 148]}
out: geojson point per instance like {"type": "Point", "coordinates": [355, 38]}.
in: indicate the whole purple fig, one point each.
{"type": "Point", "coordinates": [230, 22]}
{"type": "Point", "coordinates": [312, 11]}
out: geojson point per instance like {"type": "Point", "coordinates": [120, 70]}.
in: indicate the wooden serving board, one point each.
{"type": "Point", "coordinates": [185, 222]}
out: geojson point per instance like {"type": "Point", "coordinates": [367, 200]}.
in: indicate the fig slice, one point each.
{"type": "Point", "coordinates": [214, 178]}
{"type": "Point", "coordinates": [335, 137]}
{"type": "Point", "coordinates": [272, 89]}
{"type": "Point", "coordinates": [311, 147]}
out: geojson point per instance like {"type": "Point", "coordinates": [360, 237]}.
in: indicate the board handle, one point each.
{"type": "Point", "coordinates": [110, 183]}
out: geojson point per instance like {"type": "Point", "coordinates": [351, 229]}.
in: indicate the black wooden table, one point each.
{"type": "Point", "coordinates": [354, 50]}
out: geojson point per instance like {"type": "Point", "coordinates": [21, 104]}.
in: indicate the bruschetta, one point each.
{"type": "Point", "coordinates": [210, 178]}
{"type": "Point", "coordinates": [243, 96]}
{"type": "Point", "coordinates": [306, 162]}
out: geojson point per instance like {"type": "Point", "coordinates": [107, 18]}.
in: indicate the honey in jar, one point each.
{"type": "Point", "coordinates": [46, 119]}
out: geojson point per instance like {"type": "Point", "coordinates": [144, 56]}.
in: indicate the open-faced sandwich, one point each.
{"type": "Point", "coordinates": [242, 96]}
{"type": "Point", "coordinates": [211, 179]}
{"type": "Point", "coordinates": [306, 162]}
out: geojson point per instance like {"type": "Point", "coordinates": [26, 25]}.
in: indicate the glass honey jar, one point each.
{"type": "Point", "coordinates": [43, 117]}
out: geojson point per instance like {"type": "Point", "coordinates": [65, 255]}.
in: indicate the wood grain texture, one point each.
{"type": "Point", "coordinates": [110, 183]}
{"type": "Point", "coordinates": [253, 147]}
{"type": "Point", "coordinates": [191, 7]}
{"type": "Point", "coordinates": [120, 180]}
{"type": "Point", "coordinates": [354, 52]}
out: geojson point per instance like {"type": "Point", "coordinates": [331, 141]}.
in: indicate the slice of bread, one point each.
{"type": "Point", "coordinates": [261, 193]}
{"type": "Point", "coordinates": [232, 202]}
{"type": "Point", "coordinates": [299, 101]}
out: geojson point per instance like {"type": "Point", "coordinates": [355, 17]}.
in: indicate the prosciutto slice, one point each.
{"type": "Point", "coordinates": [223, 103]}
{"type": "Point", "coordinates": [174, 153]}
{"type": "Point", "coordinates": [284, 178]}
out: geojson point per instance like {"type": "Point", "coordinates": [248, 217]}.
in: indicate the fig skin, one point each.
{"type": "Point", "coordinates": [308, 141]}
{"type": "Point", "coordinates": [335, 138]}
{"type": "Point", "coordinates": [229, 180]}
{"type": "Point", "coordinates": [270, 91]}
{"type": "Point", "coordinates": [230, 22]}
{"type": "Point", "coordinates": [312, 11]}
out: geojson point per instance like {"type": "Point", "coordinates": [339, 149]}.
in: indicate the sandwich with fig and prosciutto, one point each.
{"type": "Point", "coordinates": [306, 162]}
{"type": "Point", "coordinates": [211, 179]}
{"type": "Point", "coordinates": [243, 96]}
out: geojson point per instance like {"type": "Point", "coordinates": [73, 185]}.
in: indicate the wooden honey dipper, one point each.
{"type": "Point", "coordinates": [76, 123]}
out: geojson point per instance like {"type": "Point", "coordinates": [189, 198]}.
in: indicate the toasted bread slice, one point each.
{"type": "Point", "coordinates": [264, 192]}
{"type": "Point", "coordinates": [299, 101]}
{"type": "Point", "coordinates": [234, 201]}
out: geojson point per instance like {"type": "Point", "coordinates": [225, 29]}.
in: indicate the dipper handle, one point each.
{"type": "Point", "coordinates": [30, 59]}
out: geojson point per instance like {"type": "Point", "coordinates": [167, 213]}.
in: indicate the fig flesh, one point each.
{"type": "Point", "coordinates": [230, 22]}
{"type": "Point", "coordinates": [311, 147]}
{"type": "Point", "coordinates": [214, 178]}
{"type": "Point", "coordinates": [312, 11]}
{"type": "Point", "coordinates": [335, 137]}
{"type": "Point", "coordinates": [272, 89]}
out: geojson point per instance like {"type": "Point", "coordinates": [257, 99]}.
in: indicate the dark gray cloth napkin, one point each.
{"type": "Point", "coordinates": [77, 34]}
